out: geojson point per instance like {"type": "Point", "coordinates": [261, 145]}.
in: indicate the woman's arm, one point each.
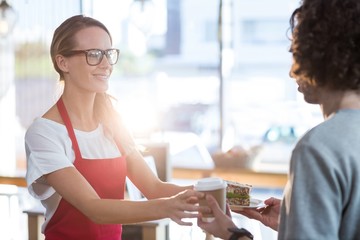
{"type": "Point", "coordinates": [73, 187]}
{"type": "Point", "coordinates": [146, 181]}
{"type": "Point", "coordinates": [138, 170]}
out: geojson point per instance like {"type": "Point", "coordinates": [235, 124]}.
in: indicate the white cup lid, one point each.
{"type": "Point", "coordinates": [208, 184]}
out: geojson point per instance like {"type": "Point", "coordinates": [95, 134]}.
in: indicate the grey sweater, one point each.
{"type": "Point", "coordinates": [322, 196]}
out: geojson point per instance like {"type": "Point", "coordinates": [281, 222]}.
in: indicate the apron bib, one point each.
{"type": "Point", "coordinates": [106, 176]}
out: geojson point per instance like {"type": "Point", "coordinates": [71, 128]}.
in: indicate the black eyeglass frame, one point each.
{"type": "Point", "coordinates": [86, 52]}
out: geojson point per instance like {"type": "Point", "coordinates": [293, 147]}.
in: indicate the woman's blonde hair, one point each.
{"type": "Point", "coordinates": [64, 41]}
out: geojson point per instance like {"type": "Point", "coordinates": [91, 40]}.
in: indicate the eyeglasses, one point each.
{"type": "Point", "coordinates": [95, 56]}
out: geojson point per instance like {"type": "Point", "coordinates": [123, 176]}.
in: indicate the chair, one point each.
{"type": "Point", "coordinates": [9, 191]}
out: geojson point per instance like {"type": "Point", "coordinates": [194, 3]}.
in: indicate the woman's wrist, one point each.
{"type": "Point", "coordinates": [160, 207]}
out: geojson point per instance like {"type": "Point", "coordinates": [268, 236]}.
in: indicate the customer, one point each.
{"type": "Point", "coordinates": [322, 196]}
{"type": "Point", "coordinates": [79, 152]}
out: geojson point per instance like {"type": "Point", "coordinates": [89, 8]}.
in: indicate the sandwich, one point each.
{"type": "Point", "coordinates": [238, 193]}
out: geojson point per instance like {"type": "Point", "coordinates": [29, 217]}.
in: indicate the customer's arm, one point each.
{"type": "Point", "coordinates": [268, 215]}
{"type": "Point", "coordinates": [218, 227]}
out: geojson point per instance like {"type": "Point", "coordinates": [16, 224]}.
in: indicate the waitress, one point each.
{"type": "Point", "coordinates": [79, 152]}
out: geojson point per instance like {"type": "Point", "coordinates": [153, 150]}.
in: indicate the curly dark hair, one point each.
{"type": "Point", "coordinates": [326, 43]}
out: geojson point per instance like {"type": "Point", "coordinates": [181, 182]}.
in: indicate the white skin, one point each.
{"type": "Point", "coordinates": [222, 221]}
{"type": "Point", "coordinates": [82, 82]}
{"type": "Point", "coordinates": [330, 101]}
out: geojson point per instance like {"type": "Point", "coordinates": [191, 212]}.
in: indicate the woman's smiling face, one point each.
{"type": "Point", "coordinates": [83, 76]}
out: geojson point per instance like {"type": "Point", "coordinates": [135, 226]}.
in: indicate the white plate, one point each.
{"type": "Point", "coordinates": [254, 203]}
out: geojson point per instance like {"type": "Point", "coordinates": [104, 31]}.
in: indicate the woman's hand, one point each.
{"type": "Point", "coordinates": [219, 226]}
{"type": "Point", "coordinates": [184, 205]}
{"type": "Point", "coordinates": [268, 215]}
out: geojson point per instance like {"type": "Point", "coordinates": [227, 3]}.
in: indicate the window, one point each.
{"type": "Point", "coordinates": [169, 80]}
{"type": "Point", "coordinates": [265, 31]}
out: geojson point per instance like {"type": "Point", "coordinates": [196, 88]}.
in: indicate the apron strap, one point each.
{"type": "Point", "coordinates": [65, 117]}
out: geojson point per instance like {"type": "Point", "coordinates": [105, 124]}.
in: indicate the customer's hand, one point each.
{"type": "Point", "coordinates": [268, 215]}
{"type": "Point", "coordinates": [219, 226]}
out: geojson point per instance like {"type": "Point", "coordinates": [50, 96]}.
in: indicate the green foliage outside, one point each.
{"type": "Point", "coordinates": [33, 60]}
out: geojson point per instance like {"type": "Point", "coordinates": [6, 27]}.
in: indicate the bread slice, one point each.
{"type": "Point", "coordinates": [238, 193]}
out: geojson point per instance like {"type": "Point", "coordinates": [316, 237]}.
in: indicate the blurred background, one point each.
{"type": "Point", "coordinates": [178, 71]}
{"type": "Point", "coordinates": [209, 75]}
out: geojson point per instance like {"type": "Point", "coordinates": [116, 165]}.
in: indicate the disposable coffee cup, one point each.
{"type": "Point", "coordinates": [217, 188]}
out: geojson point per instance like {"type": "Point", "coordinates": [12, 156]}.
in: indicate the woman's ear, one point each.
{"type": "Point", "coordinates": [61, 62]}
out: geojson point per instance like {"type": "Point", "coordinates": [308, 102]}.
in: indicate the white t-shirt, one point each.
{"type": "Point", "coordinates": [49, 148]}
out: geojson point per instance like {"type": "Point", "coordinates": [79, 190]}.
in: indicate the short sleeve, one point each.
{"type": "Point", "coordinates": [47, 150]}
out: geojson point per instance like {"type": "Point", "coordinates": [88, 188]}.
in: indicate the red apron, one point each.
{"type": "Point", "coordinates": [106, 176]}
